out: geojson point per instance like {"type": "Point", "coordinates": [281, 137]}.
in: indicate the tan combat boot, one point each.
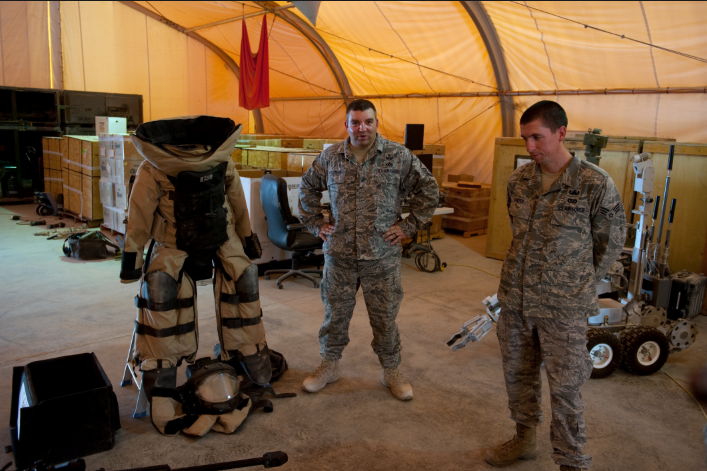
{"type": "Point", "coordinates": [392, 378]}
{"type": "Point", "coordinates": [521, 447]}
{"type": "Point", "coordinates": [328, 372]}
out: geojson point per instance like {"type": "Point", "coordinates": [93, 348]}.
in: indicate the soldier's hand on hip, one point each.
{"type": "Point", "coordinates": [394, 234]}
{"type": "Point", "coordinates": [326, 230]}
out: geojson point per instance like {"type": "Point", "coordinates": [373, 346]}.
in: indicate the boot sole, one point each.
{"type": "Point", "coordinates": [329, 381]}
{"type": "Point", "coordinates": [500, 464]}
{"type": "Point", "coordinates": [400, 398]}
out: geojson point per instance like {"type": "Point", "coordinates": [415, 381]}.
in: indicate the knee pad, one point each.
{"type": "Point", "coordinates": [158, 378]}
{"type": "Point", "coordinates": [247, 285]}
{"type": "Point", "coordinates": [239, 318]}
{"type": "Point", "coordinates": [165, 327]}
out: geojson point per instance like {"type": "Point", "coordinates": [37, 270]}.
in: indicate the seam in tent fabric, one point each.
{"type": "Point", "coordinates": [352, 52]}
{"type": "Point", "coordinates": [327, 118]}
{"type": "Point", "coordinates": [459, 77]}
{"type": "Point", "coordinates": [655, 71]}
{"type": "Point", "coordinates": [542, 39]}
{"type": "Point", "coordinates": [304, 77]}
{"type": "Point", "coordinates": [472, 119]}
{"type": "Point", "coordinates": [406, 46]}
{"type": "Point", "coordinates": [363, 67]}
{"type": "Point", "coordinates": [439, 129]}
{"type": "Point", "coordinates": [622, 36]}
{"type": "Point", "coordinates": [83, 58]}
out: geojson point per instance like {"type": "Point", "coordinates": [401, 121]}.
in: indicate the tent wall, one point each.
{"type": "Point", "coordinates": [405, 49]}
{"type": "Point", "coordinates": [24, 45]}
{"type": "Point", "coordinates": [176, 75]}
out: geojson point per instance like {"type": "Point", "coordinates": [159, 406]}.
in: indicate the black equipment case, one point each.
{"type": "Point", "coordinates": [62, 409]}
{"type": "Point", "coordinates": [687, 294]}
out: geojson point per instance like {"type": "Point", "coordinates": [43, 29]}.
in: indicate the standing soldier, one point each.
{"type": "Point", "coordinates": [367, 178]}
{"type": "Point", "coordinates": [568, 228]}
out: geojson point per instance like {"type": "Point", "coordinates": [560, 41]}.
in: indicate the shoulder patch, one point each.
{"type": "Point", "coordinates": [610, 213]}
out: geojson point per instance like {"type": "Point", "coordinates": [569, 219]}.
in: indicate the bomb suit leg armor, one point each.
{"type": "Point", "coordinates": [188, 200]}
{"type": "Point", "coordinates": [238, 315]}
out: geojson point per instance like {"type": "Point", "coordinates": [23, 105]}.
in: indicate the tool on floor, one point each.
{"type": "Point", "coordinates": [476, 328]}
{"type": "Point", "coordinates": [273, 459]}
{"type": "Point", "coordinates": [41, 222]}
{"type": "Point", "coordinates": [56, 226]}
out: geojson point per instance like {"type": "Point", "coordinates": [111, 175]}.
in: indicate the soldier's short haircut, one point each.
{"type": "Point", "coordinates": [360, 105]}
{"type": "Point", "coordinates": [551, 113]}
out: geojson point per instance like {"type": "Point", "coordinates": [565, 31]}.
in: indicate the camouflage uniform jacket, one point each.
{"type": "Point", "coordinates": [366, 198]}
{"type": "Point", "coordinates": [564, 241]}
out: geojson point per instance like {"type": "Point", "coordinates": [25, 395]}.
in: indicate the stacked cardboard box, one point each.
{"type": "Point", "coordinates": [51, 160]}
{"type": "Point", "coordinates": [119, 161]}
{"type": "Point", "coordinates": [470, 201]}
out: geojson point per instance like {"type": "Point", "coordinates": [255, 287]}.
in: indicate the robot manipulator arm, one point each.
{"type": "Point", "coordinates": [475, 329]}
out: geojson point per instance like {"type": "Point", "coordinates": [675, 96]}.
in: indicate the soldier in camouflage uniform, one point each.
{"type": "Point", "coordinates": [568, 227]}
{"type": "Point", "coordinates": [367, 178]}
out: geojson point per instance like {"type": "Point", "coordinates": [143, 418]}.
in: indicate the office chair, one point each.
{"type": "Point", "coordinates": [285, 231]}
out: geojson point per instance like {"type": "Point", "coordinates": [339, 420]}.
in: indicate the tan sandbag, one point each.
{"type": "Point", "coordinates": [163, 410]}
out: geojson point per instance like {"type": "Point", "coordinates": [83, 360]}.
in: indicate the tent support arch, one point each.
{"type": "Point", "coordinates": [488, 33]}
{"type": "Point", "coordinates": [319, 43]}
{"type": "Point", "coordinates": [257, 116]}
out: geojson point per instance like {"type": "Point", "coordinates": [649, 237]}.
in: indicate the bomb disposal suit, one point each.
{"type": "Point", "coordinates": [187, 197]}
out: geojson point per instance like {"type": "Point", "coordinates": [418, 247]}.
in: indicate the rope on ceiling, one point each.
{"type": "Point", "coordinates": [622, 36]}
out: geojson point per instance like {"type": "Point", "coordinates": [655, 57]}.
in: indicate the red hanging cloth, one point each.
{"type": "Point", "coordinates": [254, 83]}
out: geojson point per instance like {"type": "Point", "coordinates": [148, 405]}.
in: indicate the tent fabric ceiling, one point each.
{"type": "Point", "coordinates": [383, 48]}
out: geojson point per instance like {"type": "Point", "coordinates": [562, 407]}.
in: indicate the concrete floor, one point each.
{"type": "Point", "coordinates": [53, 306]}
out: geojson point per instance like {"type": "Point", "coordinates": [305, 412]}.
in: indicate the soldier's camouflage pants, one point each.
{"type": "Point", "coordinates": [383, 293]}
{"type": "Point", "coordinates": [526, 342]}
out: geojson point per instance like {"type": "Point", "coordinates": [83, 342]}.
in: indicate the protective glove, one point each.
{"type": "Point", "coordinates": [252, 247]}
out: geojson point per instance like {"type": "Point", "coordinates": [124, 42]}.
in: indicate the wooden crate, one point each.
{"type": "Point", "coordinates": [300, 162]}
{"type": "Point", "coordinates": [237, 155]}
{"type": "Point", "coordinates": [51, 153]}
{"type": "Point", "coordinates": [688, 239]}
{"type": "Point", "coordinates": [91, 207]}
{"type": "Point", "coordinates": [438, 168]}
{"type": "Point", "coordinates": [435, 149]}
{"type": "Point", "coordinates": [73, 201]}
{"type": "Point", "coordinates": [318, 144]}
{"type": "Point", "coordinates": [90, 157]}
{"type": "Point", "coordinates": [64, 149]}
{"type": "Point", "coordinates": [471, 207]}
{"type": "Point", "coordinates": [615, 161]}
{"type": "Point", "coordinates": [53, 182]}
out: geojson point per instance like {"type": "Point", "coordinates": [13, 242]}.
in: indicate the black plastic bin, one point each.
{"type": "Point", "coordinates": [66, 409]}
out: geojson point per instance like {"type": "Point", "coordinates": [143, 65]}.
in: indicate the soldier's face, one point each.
{"type": "Point", "coordinates": [543, 145]}
{"type": "Point", "coordinates": [362, 127]}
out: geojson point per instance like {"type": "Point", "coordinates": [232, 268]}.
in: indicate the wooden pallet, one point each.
{"type": "Point", "coordinates": [476, 232]}
{"type": "Point", "coordinates": [112, 231]}
{"type": "Point", "coordinates": [89, 223]}
{"type": "Point", "coordinates": [421, 238]}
